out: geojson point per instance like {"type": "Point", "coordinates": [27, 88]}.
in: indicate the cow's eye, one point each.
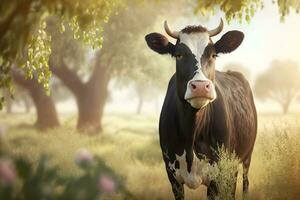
{"type": "Point", "coordinates": [178, 57]}
{"type": "Point", "coordinates": [215, 55]}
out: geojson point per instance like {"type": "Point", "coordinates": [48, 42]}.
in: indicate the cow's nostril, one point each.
{"type": "Point", "coordinates": [193, 86]}
{"type": "Point", "coordinates": [207, 86]}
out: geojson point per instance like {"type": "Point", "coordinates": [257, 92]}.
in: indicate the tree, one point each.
{"type": "Point", "coordinates": [149, 75]}
{"type": "Point", "coordinates": [244, 9]}
{"type": "Point", "coordinates": [88, 81]}
{"type": "Point", "coordinates": [45, 107]}
{"type": "Point", "coordinates": [69, 63]}
{"type": "Point", "coordinates": [20, 97]}
{"type": "Point", "coordinates": [280, 83]}
{"type": "Point", "coordinates": [23, 39]}
{"type": "Point", "coordinates": [8, 101]}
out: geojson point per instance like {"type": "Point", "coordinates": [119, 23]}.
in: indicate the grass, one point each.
{"type": "Point", "coordinates": [130, 145]}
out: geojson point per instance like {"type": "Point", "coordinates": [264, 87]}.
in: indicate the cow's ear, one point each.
{"type": "Point", "coordinates": [229, 42]}
{"type": "Point", "coordinates": [159, 43]}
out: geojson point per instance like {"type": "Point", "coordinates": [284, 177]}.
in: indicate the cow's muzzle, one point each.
{"type": "Point", "coordinates": [201, 93]}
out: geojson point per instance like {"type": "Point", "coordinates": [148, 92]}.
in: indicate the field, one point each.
{"type": "Point", "coordinates": [129, 144]}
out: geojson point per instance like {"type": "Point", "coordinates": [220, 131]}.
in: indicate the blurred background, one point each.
{"type": "Point", "coordinates": [88, 95]}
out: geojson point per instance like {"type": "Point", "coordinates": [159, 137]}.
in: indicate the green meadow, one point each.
{"type": "Point", "coordinates": [129, 144]}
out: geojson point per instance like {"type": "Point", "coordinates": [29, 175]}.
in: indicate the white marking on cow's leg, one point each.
{"type": "Point", "coordinates": [198, 174]}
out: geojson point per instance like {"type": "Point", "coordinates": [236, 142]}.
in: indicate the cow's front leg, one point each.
{"type": "Point", "coordinates": [177, 188]}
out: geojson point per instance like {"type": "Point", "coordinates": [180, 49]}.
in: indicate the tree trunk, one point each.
{"type": "Point", "coordinates": [26, 104]}
{"type": "Point", "coordinates": [90, 96]}
{"type": "Point", "coordinates": [140, 106]}
{"type": "Point", "coordinates": [285, 107]}
{"type": "Point", "coordinates": [8, 101]}
{"type": "Point", "coordinates": [91, 102]}
{"type": "Point", "coordinates": [140, 94]}
{"type": "Point", "coordinates": [45, 107]}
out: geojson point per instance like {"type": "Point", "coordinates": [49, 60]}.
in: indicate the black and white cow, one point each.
{"type": "Point", "coordinates": [203, 108]}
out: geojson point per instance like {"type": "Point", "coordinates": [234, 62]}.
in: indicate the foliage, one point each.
{"type": "Point", "coordinates": [19, 179]}
{"type": "Point", "coordinates": [116, 55]}
{"type": "Point", "coordinates": [224, 173]}
{"type": "Point", "coordinates": [129, 60]}
{"type": "Point", "coordinates": [280, 83]}
{"type": "Point", "coordinates": [125, 53]}
{"type": "Point", "coordinates": [24, 42]}
{"type": "Point", "coordinates": [244, 9]}
{"type": "Point", "coordinates": [23, 39]}
{"type": "Point", "coordinates": [66, 50]}
{"type": "Point", "coordinates": [147, 72]}
{"type": "Point", "coordinates": [38, 54]}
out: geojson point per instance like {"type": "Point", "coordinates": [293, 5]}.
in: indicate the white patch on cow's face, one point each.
{"type": "Point", "coordinates": [198, 174]}
{"type": "Point", "coordinates": [197, 42]}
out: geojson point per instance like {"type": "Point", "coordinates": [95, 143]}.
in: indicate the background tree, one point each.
{"type": "Point", "coordinates": [89, 81]}
{"type": "Point", "coordinates": [279, 83]}
{"type": "Point", "coordinates": [8, 100]}
{"type": "Point", "coordinates": [148, 74]}
{"type": "Point", "coordinates": [45, 106]}
{"type": "Point", "coordinates": [22, 29]}
{"type": "Point", "coordinates": [244, 9]}
{"type": "Point", "coordinates": [20, 97]}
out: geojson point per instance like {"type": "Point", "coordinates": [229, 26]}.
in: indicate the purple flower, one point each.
{"type": "Point", "coordinates": [84, 158]}
{"type": "Point", "coordinates": [107, 184]}
{"type": "Point", "coordinates": [7, 172]}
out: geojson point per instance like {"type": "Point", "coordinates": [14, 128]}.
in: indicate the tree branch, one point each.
{"type": "Point", "coordinates": [101, 70]}
{"type": "Point", "coordinates": [20, 79]}
{"type": "Point", "coordinates": [67, 76]}
{"type": "Point", "coordinates": [23, 8]}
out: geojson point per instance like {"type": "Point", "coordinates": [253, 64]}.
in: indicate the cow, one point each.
{"type": "Point", "coordinates": [203, 108]}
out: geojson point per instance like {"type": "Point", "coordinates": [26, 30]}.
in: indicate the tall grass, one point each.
{"type": "Point", "coordinates": [224, 173]}
{"type": "Point", "coordinates": [132, 150]}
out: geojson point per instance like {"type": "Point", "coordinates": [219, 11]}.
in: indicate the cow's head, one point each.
{"type": "Point", "coordinates": [195, 55]}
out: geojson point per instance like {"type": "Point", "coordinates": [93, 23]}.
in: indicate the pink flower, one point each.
{"type": "Point", "coordinates": [107, 184]}
{"type": "Point", "coordinates": [7, 172]}
{"type": "Point", "coordinates": [84, 157]}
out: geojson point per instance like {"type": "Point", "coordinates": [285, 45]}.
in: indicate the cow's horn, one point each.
{"type": "Point", "coordinates": [217, 30]}
{"type": "Point", "coordinates": [173, 34]}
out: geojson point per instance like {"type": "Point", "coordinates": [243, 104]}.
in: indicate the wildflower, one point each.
{"type": "Point", "coordinates": [7, 172]}
{"type": "Point", "coordinates": [84, 158]}
{"type": "Point", "coordinates": [107, 184]}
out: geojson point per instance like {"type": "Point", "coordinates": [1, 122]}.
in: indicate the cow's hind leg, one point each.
{"type": "Point", "coordinates": [212, 190]}
{"type": "Point", "coordinates": [177, 188]}
{"type": "Point", "coordinates": [246, 165]}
